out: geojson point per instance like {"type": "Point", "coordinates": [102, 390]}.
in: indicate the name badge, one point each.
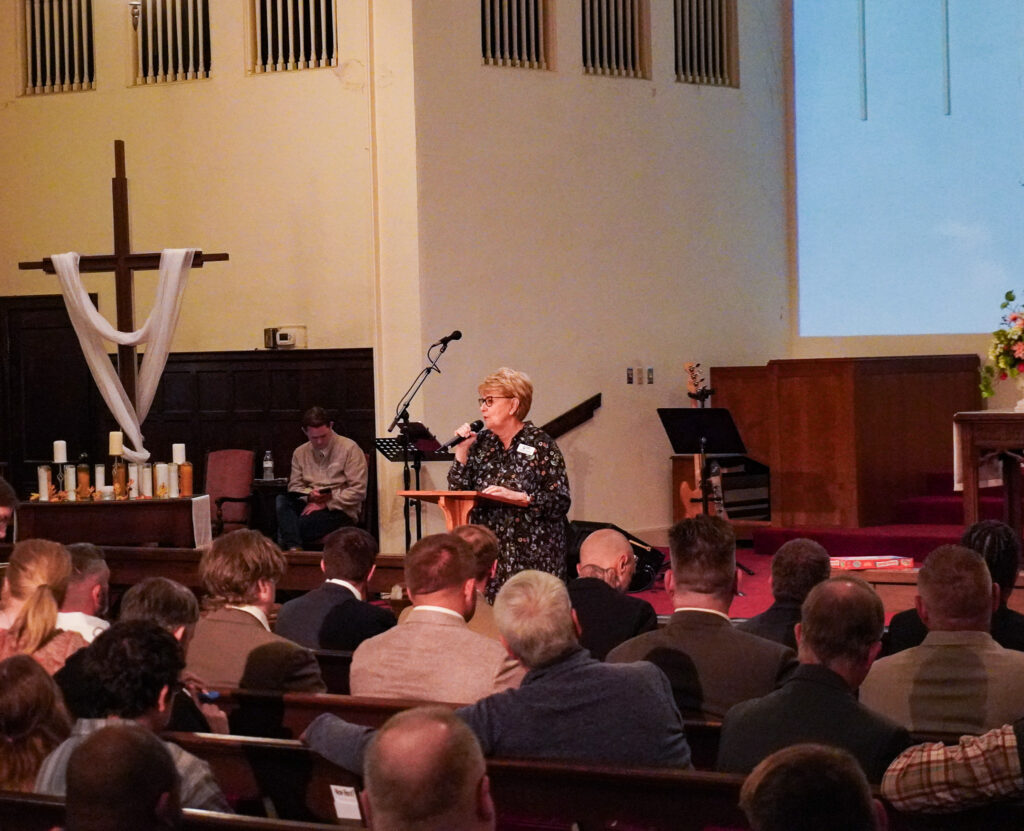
{"type": "Point", "coordinates": [526, 450]}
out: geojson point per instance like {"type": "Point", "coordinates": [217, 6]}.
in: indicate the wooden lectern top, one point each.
{"type": "Point", "coordinates": [455, 504]}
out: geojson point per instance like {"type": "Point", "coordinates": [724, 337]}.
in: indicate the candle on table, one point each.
{"type": "Point", "coordinates": [133, 481]}
{"type": "Point", "coordinates": [60, 451]}
{"type": "Point", "coordinates": [43, 478]}
{"type": "Point", "coordinates": [160, 480]}
{"type": "Point", "coordinates": [147, 479]}
{"type": "Point", "coordinates": [185, 479]}
{"type": "Point", "coordinates": [172, 480]}
{"type": "Point", "coordinates": [100, 477]}
{"type": "Point", "coordinates": [178, 454]}
{"type": "Point", "coordinates": [116, 443]}
{"type": "Point", "coordinates": [70, 476]}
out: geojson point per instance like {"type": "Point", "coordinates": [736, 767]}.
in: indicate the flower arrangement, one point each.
{"type": "Point", "coordinates": [1007, 349]}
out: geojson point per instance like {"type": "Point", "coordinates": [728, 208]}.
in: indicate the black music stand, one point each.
{"type": "Point", "coordinates": [415, 445]}
{"type": "Point", "coordinates": [702, 432]}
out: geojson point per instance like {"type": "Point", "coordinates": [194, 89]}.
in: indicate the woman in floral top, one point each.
{"type": "Point", "coordinates": [513, 460]}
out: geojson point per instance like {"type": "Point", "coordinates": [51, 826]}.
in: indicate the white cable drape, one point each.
{"type": "Point", "coordinates": [93, 329]}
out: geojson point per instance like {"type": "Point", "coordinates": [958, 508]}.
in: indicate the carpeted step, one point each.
{"type": "Point", "coordinates": [945, 510]}
{"type": "Point", "coordinates": [915, 541]}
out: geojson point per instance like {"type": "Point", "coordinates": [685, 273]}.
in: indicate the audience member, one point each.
{"type": "Point", "coordinates": [136, 665]}
{"type": "Point", "coordinates": [88, 589]}
{"type": "Point", "coordinates": [33, 589]}
{"type": "Point", "coordinates": [424, 770]}
{"type": "Point", "coordinates": [608, 616]}
{"type": "Point", "coordinates": [959, 680]}
{"type": "Point", "coordinates": [936, 777]}
{"type": "Point", "coordinates": [839, 638]}
{"type": "Point", "coordinates": [433, 656]}
{"type": "Point", "coordinates": [336, 614]}
{"type": "Point", "coordinates": [8, 506]}
{"type": "Point", "coordinates": [999, 544]}
{"type": "Point", "coordinates": [33, 721]}
{"type": "Point", "coordinates": [233, 645]}
{"type": "Point", "coordinates": [570, 705]}
{"type": "Point", "coordinates": [483, 542]}
{"type": "Point", "coordinates": [797, 567]}
{"type": "Point", "coordinates": [174, 608]}
{"type": "Point", "coordinates": [711, 664]}
{"type": "Point", "coordinates": [122, 778]}
{"type": "Point", "coordinates": [810, 787]}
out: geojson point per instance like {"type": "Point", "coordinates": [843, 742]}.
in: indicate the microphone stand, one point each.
{"type": "Point", "coordinates": [402, 415]}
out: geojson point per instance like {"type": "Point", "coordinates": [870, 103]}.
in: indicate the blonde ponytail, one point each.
{"type": "Point", "coordinates": [37, 575]}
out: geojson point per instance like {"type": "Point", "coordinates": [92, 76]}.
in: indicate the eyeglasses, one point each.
{"type": "Point", "coordinates": [490, 399]}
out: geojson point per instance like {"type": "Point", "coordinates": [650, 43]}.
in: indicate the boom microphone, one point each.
{"type": "Point", "coordinates": [456, 335]}
{"type": "Point", "coordinates": [476, 427]}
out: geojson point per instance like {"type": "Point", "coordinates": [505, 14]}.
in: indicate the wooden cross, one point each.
{"type": "Point", "coordinates": [123, 263]}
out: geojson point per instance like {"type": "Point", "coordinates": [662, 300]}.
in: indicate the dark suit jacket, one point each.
{"type": "Point", "coordinates": [331, 617]}
{"type": "Point", "coordinates": [231, 648]}
{"type": "Point", "coordinates": [906, 630]}
{"type": "Point", "coordinates": [608, 617]}
{"type": "Point", "coordinates": [775, 623]}
{"type": "Point", "coordinates": [710, 664]}
{"type": "Point", "coordinates": [813, 705]}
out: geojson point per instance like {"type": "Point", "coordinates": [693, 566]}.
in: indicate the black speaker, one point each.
{"type": "Point", "coordinates": [649, 559]}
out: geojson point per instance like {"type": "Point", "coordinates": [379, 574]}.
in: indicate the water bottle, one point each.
{"type": "Point", "coordinates": [268, 465]}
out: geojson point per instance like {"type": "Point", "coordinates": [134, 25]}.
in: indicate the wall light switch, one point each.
{"type": "Point", "coordinates": [629, 375]}
{"type": "Point", "coordinates": [650, 375]}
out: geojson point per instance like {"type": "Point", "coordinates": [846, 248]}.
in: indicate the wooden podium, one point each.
{"type": "Point", "coordinates": [455, 504]}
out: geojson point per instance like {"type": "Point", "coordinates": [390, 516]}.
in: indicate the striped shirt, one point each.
{"type": "Point", "coordinates": [198, 787]}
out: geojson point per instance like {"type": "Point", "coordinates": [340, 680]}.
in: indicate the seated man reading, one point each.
{"type": "Point", "coordinates": [327, 485]}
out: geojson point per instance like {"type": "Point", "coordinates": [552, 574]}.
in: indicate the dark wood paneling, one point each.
{"type": "Point", "coordinates": [250, 400]}
{"type": "Point", "coordinates": [847, 438]}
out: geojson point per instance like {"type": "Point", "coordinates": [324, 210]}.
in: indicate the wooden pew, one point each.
{"type": "Point", "coordinates": [130, 564]}
{"type": "Point", "coordinates": [554, 794]}
{"type": "Point", "coordinates": [286, 715]}
{"type": "Point", "coordinates": [35, 812]}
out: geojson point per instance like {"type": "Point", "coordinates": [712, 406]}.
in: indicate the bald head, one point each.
{"type": "Point", "coordinates": [424, 771]}
{"type": "Point", "coordinates": [122, 778]}
{"type": "Point", "coordinates": [607, 555]}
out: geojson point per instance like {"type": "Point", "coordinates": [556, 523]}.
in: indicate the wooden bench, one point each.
{"type": "Point", "coordinates": [286, 715]}
{"type": "Point", "coordinates": [35, 812]}
{"type": "Point", "coordinates": [553, 794]}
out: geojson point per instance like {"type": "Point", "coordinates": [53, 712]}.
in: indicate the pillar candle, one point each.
{"type": "Point", "coordinates": [172, 480]}
{"type": "Point", "coordinates": [147, 480]}
{"type": "Point", "coordinates": [43, 478]}
{"type": "Point", "coordinates": [160, 481]}
{"type": "Point", "coordinates": [185, 479]}
{"type": "Point", "coordinates": [100, 477]}
{"type": "Point", "coordinates": [133, 481]}
{"type": "Point", "coordinates": [178, 454]}
{"type": "Point", "coordinates": [60, 451]}
{"type": "Point", "coordinates": [116, 443]}
{"type": "Point", "coordinates": [70, 475]}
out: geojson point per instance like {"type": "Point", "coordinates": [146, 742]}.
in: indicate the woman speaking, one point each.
{"type": "Point", "coordinates": [513, 459]}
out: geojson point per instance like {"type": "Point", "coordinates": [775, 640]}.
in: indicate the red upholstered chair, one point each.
{"type": "Point", "coordinates": [229, 475]}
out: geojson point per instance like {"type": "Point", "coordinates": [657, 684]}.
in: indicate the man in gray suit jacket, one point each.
{"type": "Point", "coordinates": [432, 655]}
{"type": "Point", "coordinates": [711, 664]}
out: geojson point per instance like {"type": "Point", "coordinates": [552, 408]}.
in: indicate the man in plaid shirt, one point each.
{"type": "Point", "coordinates": [935, 777]}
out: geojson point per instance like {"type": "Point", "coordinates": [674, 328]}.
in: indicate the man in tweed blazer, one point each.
{"type": "Point", "coordinates": [432, 655]}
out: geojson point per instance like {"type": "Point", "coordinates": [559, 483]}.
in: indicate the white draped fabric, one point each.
{"type": "Point", "coordinates": [93, 329]}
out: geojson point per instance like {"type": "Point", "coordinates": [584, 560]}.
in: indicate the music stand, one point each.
{"type": "Point", "coordinates": [701, 432]}
{"type": "Point", "coordinates": [415, 445]}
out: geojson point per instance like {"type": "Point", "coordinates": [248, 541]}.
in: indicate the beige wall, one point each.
{"type": "Point", "coordinates": [273, 169]}
{"type": "Point", "coordinates": [572, 226]}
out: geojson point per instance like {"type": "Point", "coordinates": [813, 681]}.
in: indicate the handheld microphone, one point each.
{"type": "Point", "coordinates": [476, 427]}
{"type": "Point", "coordinates": [456, 335]}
